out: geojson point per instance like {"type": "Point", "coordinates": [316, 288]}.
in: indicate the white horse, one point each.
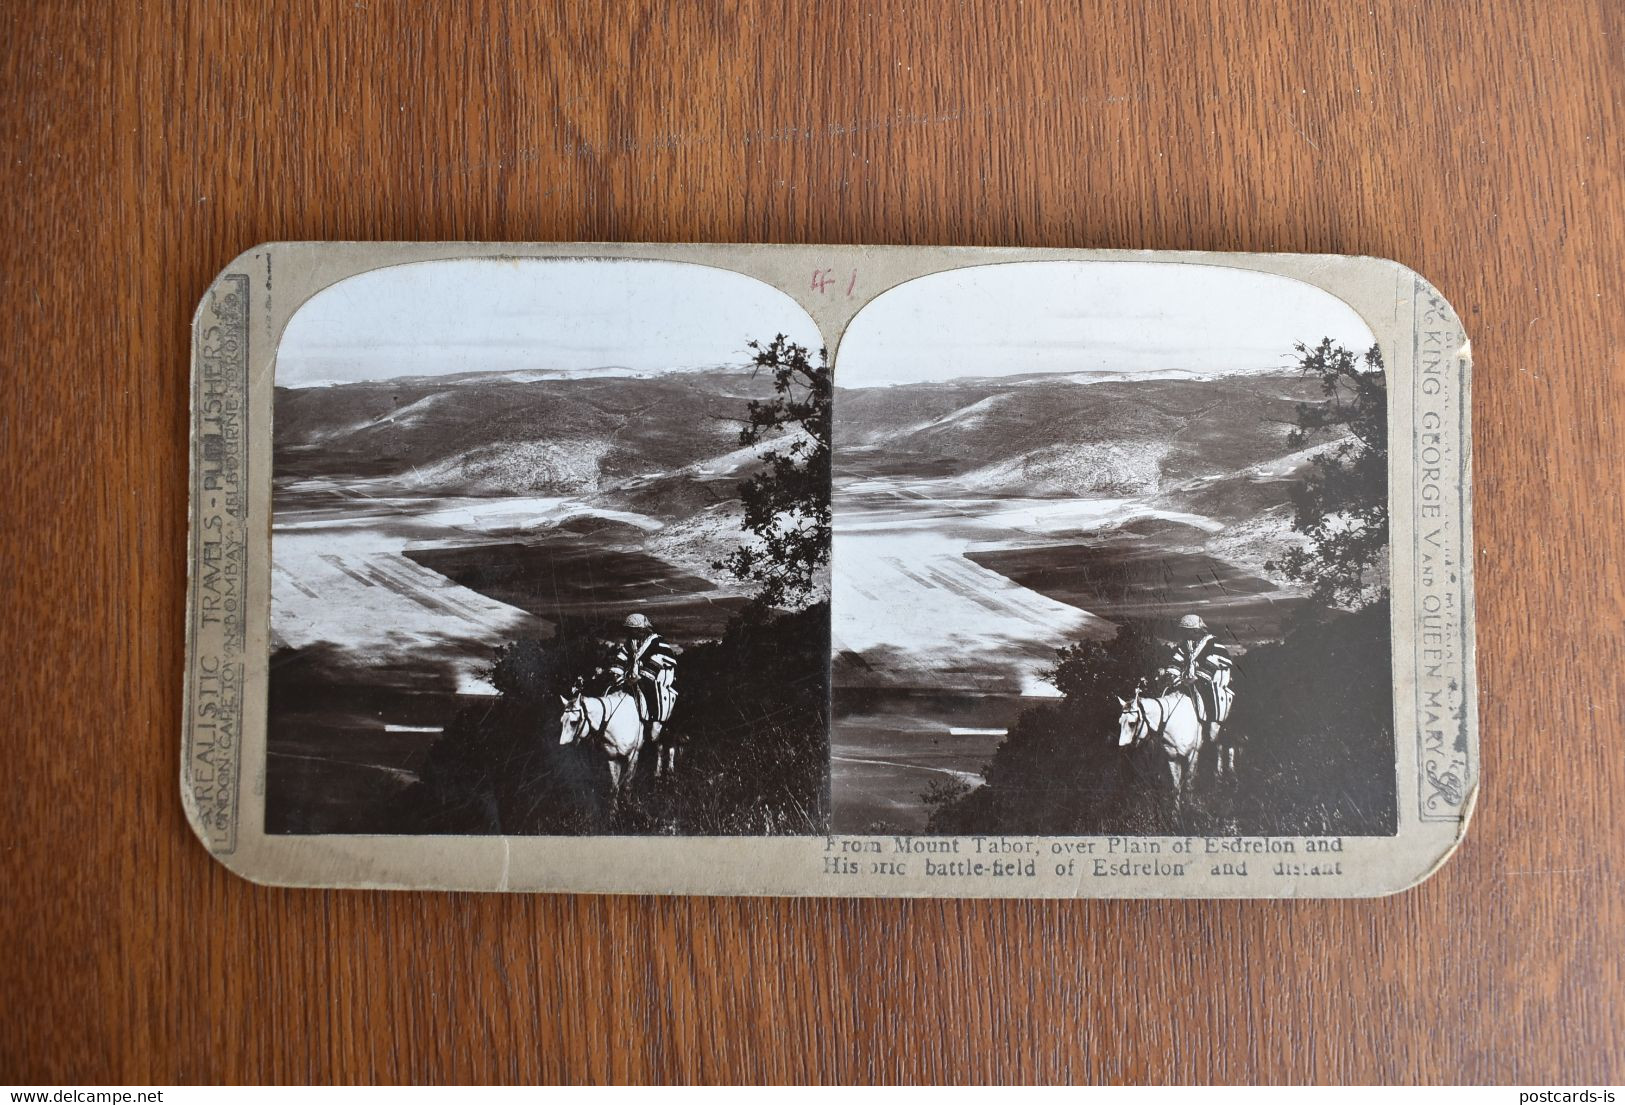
{"type": "Point", "coordinates": [1172, 722]}
{"type": "Point", "coordinates": [613, 722]}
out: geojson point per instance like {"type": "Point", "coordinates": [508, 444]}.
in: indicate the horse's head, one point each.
{"type": "Point", "coordinates": [572, 720]}
{"type": "Point", "coordinates": [1131, 722]}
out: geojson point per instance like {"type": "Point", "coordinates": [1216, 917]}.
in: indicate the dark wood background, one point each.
{"type": "Point", "coordinates": [145, 144]}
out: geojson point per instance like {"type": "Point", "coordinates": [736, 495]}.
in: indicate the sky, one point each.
{"type": "Point", "coordinates": [1073, 316]}
{"type": "Point", "coordinates": [441, 317]}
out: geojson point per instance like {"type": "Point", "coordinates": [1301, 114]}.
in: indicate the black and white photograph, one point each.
{"type": "Point", "coordinates": [1111, 556]}
{"type": "Point", "coordinates": [549, 554]}
{"type": "Point", "coordinates": [851, 570]}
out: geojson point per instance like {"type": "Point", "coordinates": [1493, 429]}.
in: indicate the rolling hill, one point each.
{"type": "Point", "coordinates": [518, 433]}
{"type": "Point", "coordinates": [1032, 437]}
{"type": "Point", "coordinates": [667, 446]}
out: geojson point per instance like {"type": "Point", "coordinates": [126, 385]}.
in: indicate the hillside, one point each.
{"type": "Point", "coordinates": [666, 447]}
{"type": "Point", "coordinates": [981, 523]}
{"type": "Point", "coordinates": [517, 433]}
{"type": "Point", "coordinates": [643, 440]}
{"type": "Point", "coordinates": [1030, 437]}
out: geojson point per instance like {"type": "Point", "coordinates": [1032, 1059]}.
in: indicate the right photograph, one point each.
{"type": "Point", "coordinates": [1111, 557]}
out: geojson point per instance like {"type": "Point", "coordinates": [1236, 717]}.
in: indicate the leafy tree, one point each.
{"type": "Point", "coordinates": [1342, 504]}
{"type": "Point", "coordinates": [787, 504]}
{"type": "Point", "coordinates": [753, 720]}
{"type": "Point", "coordinates": [1317, 728]}
{"type": "Point", "coordinates": [1093, 673]}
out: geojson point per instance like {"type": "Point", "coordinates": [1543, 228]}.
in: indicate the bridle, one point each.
{"type": "Point", "coordinates": [1145, 719]}
{"type": "Point", "coordinates": [579, 702]}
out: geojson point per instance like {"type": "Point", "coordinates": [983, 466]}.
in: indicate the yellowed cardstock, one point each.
{"type": "Point", "coordinates": [392, 443]}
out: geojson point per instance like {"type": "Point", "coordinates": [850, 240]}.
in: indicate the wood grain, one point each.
{"type": "Point", "coordinates": [146, 144]}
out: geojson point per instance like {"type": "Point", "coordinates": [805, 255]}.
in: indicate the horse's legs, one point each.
{"type": "Point", "coordinates": [665, 752]}
{"type": "Point", "coordinates": [1224, 759]}
{"type": "Point", "coordinates": [631, 768]}
{"type": "Point", "coordinates": [1184, 770]}
{"type": "Point", "coordinates": [615, 773]}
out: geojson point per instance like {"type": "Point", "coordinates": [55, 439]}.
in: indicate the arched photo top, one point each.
{"type": "Point", "coordinates": [551, 317]}
{"type": "Point", "coordinates": [1095, 320]}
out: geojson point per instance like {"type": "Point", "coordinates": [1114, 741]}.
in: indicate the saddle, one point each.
{"type": "Point", "coordinates": [665, 696]}
{"type": "Point", "coordinates": [1206, 709]}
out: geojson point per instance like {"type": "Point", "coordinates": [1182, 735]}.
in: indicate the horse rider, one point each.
{"type": "Point", "coordinates": [1201, 667]}
{"type": "Point", "coordinates": [645, 664]}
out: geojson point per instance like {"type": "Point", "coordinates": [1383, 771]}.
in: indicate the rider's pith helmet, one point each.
{"type": "Point", "coordinates": [637, 621]}
{"type": "Point", "coordinates": [1192, 622]}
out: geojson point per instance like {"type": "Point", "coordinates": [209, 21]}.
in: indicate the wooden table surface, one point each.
{"type": "Point", "coordinates": [146, 144]}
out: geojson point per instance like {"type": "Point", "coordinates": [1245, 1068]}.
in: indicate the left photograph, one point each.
{"type": "Point", "coordinates": [550, 553]}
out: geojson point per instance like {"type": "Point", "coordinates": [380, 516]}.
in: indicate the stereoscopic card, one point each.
{"type": "Point", "coordinates": [829, 570]}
